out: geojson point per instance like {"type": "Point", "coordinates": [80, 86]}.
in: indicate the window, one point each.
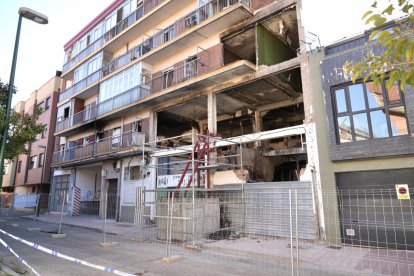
{"type": "Point", "coordinates": [190, 20]}
{"type": "Point", "coordinates": [125, 80]}
{"type": "Point", "coordinates": [190, 69]}
{"type": "Point", "coordinates": [85, 141]}
{"type": "Point", "coordinates": [116, 137]}
{"type": "Point", "coordinates": [44, 133]}
{"type": "Point", "coordinates": [66, 112]}
{"type": "Point", "coordinates": [40, 106]}
{"type": "Point", "coordinates": [41, 160]}
{"type": "Point", "coordinates": [366, 111]}
{"type": "Point", "coordinates": [32, 162]}
{"type": "Point", "coordinates": [19, 166]}
{"type": "Point", "coordinates": [47, 104]}
{"type": "Point", "coordinates": [132, 173]}
{"type": "Point", "coordinates": [167, 79]}
{"type": "Point", "coordinates": [168, 33]}
{"type": "Point", "coordinates": [62, 149]}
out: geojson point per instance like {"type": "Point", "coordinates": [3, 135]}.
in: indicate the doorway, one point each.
{"type": "Point", "coordinates": [111, 211]}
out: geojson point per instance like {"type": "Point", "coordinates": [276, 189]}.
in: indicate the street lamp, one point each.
{"type": "Point", "coordinates": [38, 18]}
{"type": "Point", "coordinates": [41, 178]}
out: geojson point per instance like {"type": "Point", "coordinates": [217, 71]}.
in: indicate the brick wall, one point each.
{"type": "Point", "coordinates": [211, 59]}
{"type": "Point", "coordinates": [331, 71]}
{"type": "Point", "coordinates": [257, 4]}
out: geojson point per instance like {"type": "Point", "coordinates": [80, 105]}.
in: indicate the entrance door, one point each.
{"type": "Point", "coordinates": [60, 195]}
{"type": "Point", "coordinates": [111, 211]}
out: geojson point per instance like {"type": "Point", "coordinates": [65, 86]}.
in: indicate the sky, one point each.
{"type": "Point", "coordinates": [41, 46]}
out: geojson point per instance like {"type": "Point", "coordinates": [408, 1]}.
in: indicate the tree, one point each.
{"type": "Point", "coordinates": [23, 128]}
{"type": "Point", "coordinates": [396, 60]}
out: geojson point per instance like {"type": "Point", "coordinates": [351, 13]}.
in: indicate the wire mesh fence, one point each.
{"type": "Point", "coordinates": [256, 228]}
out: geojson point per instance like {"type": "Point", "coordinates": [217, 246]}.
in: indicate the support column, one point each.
{"type": "Point", "coordinates": [153, 127]}
{"type": "Point", "coordinates": [72, 184]}
{"type": "Point", "coordinates": [257, 126]}
{"type": "Point", "coordinates": [212, 113]}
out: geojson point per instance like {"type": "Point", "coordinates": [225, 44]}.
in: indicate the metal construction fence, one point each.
{"type": "Point", "coordinates": [255, 228]}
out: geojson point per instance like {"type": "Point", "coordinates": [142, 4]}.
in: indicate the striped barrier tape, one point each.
{"type": "Point", "coordinates": [18, 257]}
{"type": "Point", "coordinates": [66, 257]}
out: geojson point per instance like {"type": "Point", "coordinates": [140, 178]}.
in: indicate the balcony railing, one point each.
{"type": "Point", "coordinates": [101, 147]}
{"type": "Point", "coordinates": [178, 27]}
{"type": "Point", "coordinates": [80, 85]}
{"type": "Point", "coordinates": [122, 25]}
{"type": "Point", "coordinates": [181, 25]}
{"type": "Point", "coordinates": [187, 71]}
{"type": "Point", "coordinates": [91, 111]}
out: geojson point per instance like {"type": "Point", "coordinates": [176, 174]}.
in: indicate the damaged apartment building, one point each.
{"type": "Point", "coordinates": [143, 78]}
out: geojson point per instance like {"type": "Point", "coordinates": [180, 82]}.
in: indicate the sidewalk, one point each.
{"type": "Point", "coordinates": [268, 253]}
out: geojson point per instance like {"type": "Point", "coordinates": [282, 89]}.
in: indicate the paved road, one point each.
{"type": "Point", "coordinates": [135, 257]}
{"type": "Point", "coordinates": [242, 256]}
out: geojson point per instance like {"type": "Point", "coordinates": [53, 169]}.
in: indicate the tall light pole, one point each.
{"type": "Point", "coordinates": [38, 18]}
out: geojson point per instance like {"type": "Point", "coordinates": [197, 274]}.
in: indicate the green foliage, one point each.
{"type": "Point", "coordinates": [396, 63]}
{"type": "Point", "coordinates": [23, 127]}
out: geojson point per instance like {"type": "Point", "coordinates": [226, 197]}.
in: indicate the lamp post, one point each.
{"type": "Point", "coordinates": [41, 178]}
{"type": "Point", "coordinates": [38, 18]}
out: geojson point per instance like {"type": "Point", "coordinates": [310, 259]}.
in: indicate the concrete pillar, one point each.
{"type": "Point", "coordinates": [153, 127]}
{"type": "Point", "coordinates": [72, 184]}
{"type": "Point", "coordinates": [212, 113]}
{"type": "Point", "coordinates": [257, 126]}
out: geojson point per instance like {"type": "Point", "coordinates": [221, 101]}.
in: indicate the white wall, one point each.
{"type": "Point", "coordinates": [85, 180]}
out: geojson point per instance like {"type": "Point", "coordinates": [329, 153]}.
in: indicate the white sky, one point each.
{"type": "Point", "coordinates": [41, 46]}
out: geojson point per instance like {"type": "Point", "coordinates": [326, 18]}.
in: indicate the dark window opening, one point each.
{"type": "Point", "coordinates": [47, 105]}
{"type": "Point", "coordinates": [66, 112]}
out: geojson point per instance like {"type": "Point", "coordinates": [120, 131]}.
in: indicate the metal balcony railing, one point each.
{"type": "Point", "coordinates": [91, 111]}
{"type": "Point", "coordinates": [178, 27]}
{"type": "Point", "coordinates": [122, 25]}
{"type": "Point", "coordinates": [80, 85]}
{"type": "Point", "coordinates": [101, 147]}
{"type": "Point", "coordinates": [189, 70]}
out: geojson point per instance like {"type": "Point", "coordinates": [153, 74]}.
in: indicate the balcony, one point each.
{"type": "Point", "coordinates": [117, 29]}
{"type": "Point", "coordinates": [102, 147]}
{"type": "Point", "coordinates": [180, 74]}
{"type": "Point", "coordinates": [80, 85]}
{"type": "Point", "coordinates": [192, 21]}
{"type": "Point", "coordinates": [91, 112]}
{"type": "Point", "coordinates": [195, 19]}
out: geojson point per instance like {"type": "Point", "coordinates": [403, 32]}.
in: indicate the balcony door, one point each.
{"type": "Point", "coordinates": [116, 138]}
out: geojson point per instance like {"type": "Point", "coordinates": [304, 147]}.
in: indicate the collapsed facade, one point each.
{"type": "Point", "coordinates": [144, 79]}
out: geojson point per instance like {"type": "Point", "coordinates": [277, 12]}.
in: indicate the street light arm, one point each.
{"type": "Point", "coordinates": [33, 15]}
